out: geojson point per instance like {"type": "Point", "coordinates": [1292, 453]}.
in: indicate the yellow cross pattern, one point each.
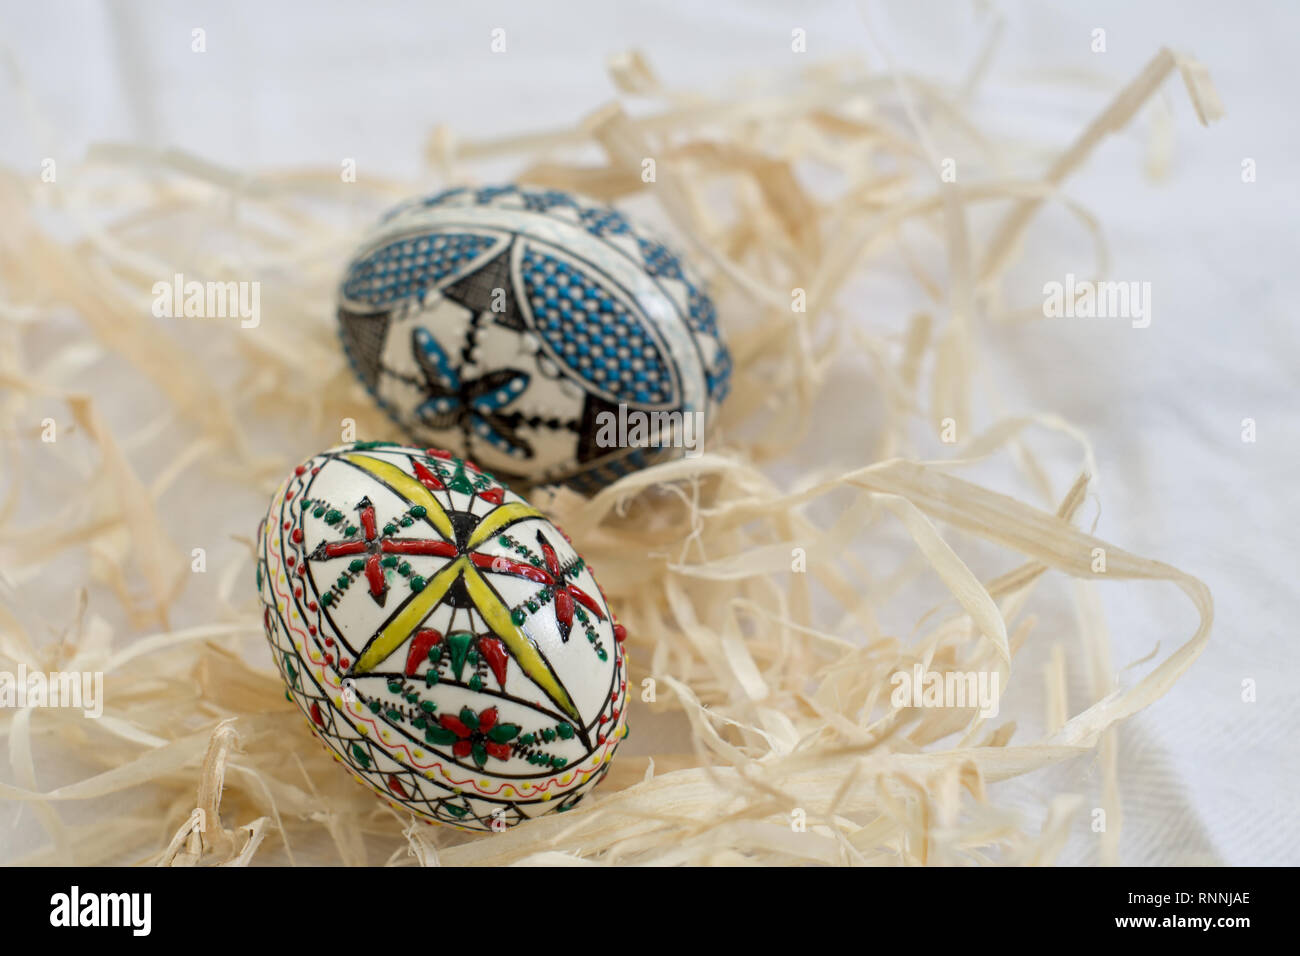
{"type": "Point", "coordinates": [489, 606]}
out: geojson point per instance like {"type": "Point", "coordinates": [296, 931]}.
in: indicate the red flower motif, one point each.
{"type": "Point", "coordinates": [479, 735]}
{"type": "Point", "coordinates": [565, 593]}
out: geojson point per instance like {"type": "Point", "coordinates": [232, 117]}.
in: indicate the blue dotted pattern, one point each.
{"type": "Point", "coordinates": [545, 200]}
{"type": "Point", "coordinates": [408, 267]}
{"type": "Point", "coordinates": [658, 261]}
{"type": "Point", "coordinates": [603, 221]}
{"type": "Point", "coordinates": [594, 333]}
{"type": "Point", "coordinates": [437, 199]}
{"type": "Point", "coordinates": [604, 474]}
{"type": "Point", "coordinates": [719, 377]}
{"type": "Point", "coordinates": [701, 314]}
{"type": "Point", "coordinates": [488, 193]}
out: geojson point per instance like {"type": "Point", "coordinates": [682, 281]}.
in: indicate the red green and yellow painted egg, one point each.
{"type": "Point", "coordinates": [441, 636]}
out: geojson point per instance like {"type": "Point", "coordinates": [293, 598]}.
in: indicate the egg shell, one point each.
{"type": "Point", "coordinates": [510, 323]}
{"type": "Point", "coordinates": [442, 638]}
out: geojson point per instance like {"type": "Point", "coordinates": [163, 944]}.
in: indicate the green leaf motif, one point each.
{"type": "Point", "coordinates": [458, 643]}
{"type": "Point", "coordinates": [502, 733]}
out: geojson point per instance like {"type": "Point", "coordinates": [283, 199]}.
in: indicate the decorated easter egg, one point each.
{"type": "Point", "coordinates": [541, 334]}
{"type": "Point", "coordinates": [440, 635]}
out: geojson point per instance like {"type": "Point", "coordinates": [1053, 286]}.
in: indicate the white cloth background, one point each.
{"type": "Point", "coordinates": [1206, 777]}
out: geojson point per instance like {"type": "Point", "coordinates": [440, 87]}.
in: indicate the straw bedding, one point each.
{"type": "Point", "coordinates": [769, 598]}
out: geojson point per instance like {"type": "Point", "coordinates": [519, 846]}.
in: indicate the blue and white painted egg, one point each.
{"type": "Point", "coordinates": [513, 325]}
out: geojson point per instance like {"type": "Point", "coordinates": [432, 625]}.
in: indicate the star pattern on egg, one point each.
{"type": "Point", "coordinates": [423, 618]}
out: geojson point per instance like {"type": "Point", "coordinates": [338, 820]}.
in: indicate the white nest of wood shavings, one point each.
{"type": "Point", "coordinates": [756, 608]}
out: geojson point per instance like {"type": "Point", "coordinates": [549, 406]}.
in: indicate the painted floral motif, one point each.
{"type": "Point", "coordinates": [565, 594]}
{"type": "Point", "coordinates": [381, 551]}
{"type": "Point", "coordinates": [475, 405]}
{"type": "Point", "coordinates": [475, 735]}
{"type": "Point", "coordinates": [419, 615]}
{"type": "Point", "coordinates": [505, 321]}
